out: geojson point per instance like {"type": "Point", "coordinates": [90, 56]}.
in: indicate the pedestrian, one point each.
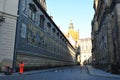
{"type": "Point", "coordinates": [6, 70]}
{"type": "Point", "coordinates": [21, 67]}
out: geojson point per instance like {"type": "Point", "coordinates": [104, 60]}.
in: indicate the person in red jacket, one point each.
{"type": "Point", "coordinates": [21, 67]}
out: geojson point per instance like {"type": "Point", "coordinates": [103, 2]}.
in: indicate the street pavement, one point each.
{"type": "Point", "coordinates": [66, 73]}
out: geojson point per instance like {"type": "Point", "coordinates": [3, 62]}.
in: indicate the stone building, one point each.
{"type": "Point", "coordinates": [28, 34]}
{"type": "Point", "coordinates": [85, 51]}
{"type": "Point", "coordinates": [106, 35]}
{"type": "Point", "coordinates": [8, 22]}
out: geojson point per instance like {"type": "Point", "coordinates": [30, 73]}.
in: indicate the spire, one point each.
{"type": "Point", "coordinates": [71, 25]}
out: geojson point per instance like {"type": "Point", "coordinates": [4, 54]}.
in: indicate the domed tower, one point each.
{"type": "Point", "coordinates": [43, 4]}
{"type": "Point", "coordinates": [74, 34]}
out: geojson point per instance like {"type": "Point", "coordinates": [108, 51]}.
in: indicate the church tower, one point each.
{"type": "Point", "coordinates": [71, 27]}
{"type": "Point", "coordinates": [74, 34]}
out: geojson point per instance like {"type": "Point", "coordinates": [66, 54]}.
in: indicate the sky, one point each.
{"type": "Point", "coordinates": [79, 11]}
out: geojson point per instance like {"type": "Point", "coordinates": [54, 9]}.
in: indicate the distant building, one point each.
{"type": "Point", "coordinates": [73, 37]}
{"type": "Point", "coordinates": [85, 51]}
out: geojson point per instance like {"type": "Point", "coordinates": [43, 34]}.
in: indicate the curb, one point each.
{"type": "Point", "coordinates": [46, 70]}
{"type": "Point", "coordinates": [105, 76]}
{"type": "Point", "coordinates": [100, 75]}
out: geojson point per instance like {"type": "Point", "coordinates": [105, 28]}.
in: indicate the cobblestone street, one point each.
{"type": "Point", "coordinates": [67, 73]}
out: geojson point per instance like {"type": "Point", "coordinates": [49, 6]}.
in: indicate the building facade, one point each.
{"type": "Point", "coordinates": [28, 34]}
{"type": "Point", "coordinates": [106, 35]}
{"type": "Point", "coordinates": [85, 51]}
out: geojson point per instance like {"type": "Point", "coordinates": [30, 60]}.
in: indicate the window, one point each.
{"type": "Point", "coordinates": [32, 11]}
{"type": "Point", "coordinates": [31, 34]}
{"type": "Point", "coordinates": [107, 2]}
{"type": "Point", "coordinates": [23, 30]}
{"type": "Point", "coordinates": [23, 4]}
{"type": "Point", "coordinates": [54, 30]}
{"type": "Point", "coordinates": [33, 16]}
{"type": "Point", "coordinates": [53, 34]}
{"type": "Point", "coordinates": [57, 34]}
{"type": "Point", "coordinates": [38, 38]}
{"type": "Point", "coordinates": [42, 19]}
{"type": "Point", "coordinates": [48, 27]}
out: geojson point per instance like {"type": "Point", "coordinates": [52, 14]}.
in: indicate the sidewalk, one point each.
{"type": "Point", "coordinates": [35, 72]}
{"type": "Point", "coordinates": [98, 72]}
{"type": "Point", "coordinates": [28, 72]}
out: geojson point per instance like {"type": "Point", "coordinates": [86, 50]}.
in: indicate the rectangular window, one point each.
{"type": "Point", "coordinates": [48, 27]}
{"type": "Point", "coordinates": [42, 20]}
{"type": "Point", "coordinates": [23, 30]}
{"type": "Point", "coordinates": [32, 11]}
{"type": "Point", "coordinates": [33, 16]}
{"type": "Point", "coordinates": [23, 4]}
